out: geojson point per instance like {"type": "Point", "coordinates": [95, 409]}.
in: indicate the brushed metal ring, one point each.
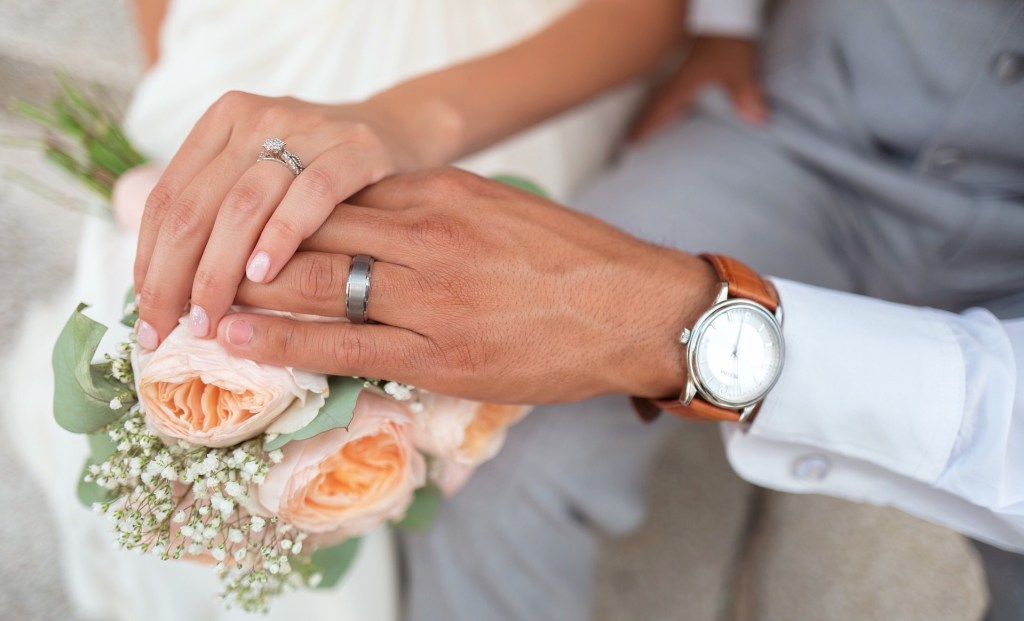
{"type": "Point", "coordinates": [357, 288]}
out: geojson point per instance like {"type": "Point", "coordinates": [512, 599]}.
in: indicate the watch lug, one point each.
{"type": "Point", "coordinates": [778, 314]}
{"type": "Point", "coordinates": [689, 392]}
{"type": "Point", "coordinates": [723, 293]}
{"type": "Point", "coordinates": [747, 413]}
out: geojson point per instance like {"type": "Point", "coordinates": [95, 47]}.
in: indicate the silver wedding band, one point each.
{"type": "Point", "coordinates": [273, 151]}
{"type": "Point", "coordinates": [357, 288]}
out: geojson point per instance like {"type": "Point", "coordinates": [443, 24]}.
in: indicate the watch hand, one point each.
{"type": "Point", "coordinates": [739, 333]}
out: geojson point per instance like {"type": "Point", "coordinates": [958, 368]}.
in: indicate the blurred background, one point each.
{"type": "Point", "coordinates": [714, 547]}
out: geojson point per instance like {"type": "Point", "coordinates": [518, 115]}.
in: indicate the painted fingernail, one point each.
{"type": "Point", "coordinates": [258, 267]}
{"type": "Point", "coordinates": [239, 332]}
{"type": "Point", "coordinates": [198, 321]}
{"type": "Point", "coordinates": [146, 336]}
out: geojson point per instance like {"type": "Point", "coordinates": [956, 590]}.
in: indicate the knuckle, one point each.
{"type": "Point", "coordinates": [443, 179]}
{"type": "Point", "coordinates": [159, 200]}
{"type": "Point", "coordinates": [151, 298]}
{"type": "Point", "coordinates": [230, 102]}
{"type": "Point", "coordinates": [318, 278]}
{"type": "Point", "coordinates": [182, 220]}
{"type": "Point", "coordinates": [282, 229]}
{"type": "Point", "coordinates": [318, 184]}
{"type": "Point", "coordinates": [460, 356]}
{"type": "Point", "coordinates": [274, 116]}
{"type": "Point", "coordinates": [350, 350]}
{"type": "Point", "coordinates": [435, 232]}
{"type": "Point", "coordinates": [242, 199]}
{"type": "Point", "coordinates": [207, 284]}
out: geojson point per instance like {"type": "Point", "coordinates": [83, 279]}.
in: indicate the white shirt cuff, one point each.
{"type": "Point", "coordinates": [858, 373]}
{"type": "Point", "coordinates": [740, 18]}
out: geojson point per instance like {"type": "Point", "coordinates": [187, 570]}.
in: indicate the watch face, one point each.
{"type": "Point", "coordinates": [736, 353]}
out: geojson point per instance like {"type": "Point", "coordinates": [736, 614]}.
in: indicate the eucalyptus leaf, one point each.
{"type": "Point", "coordinates": [81, 393]}
{"type": "Point", "coordinates": [423, 510]}
{"type": "Point", "coordinates": [331, 563]}
{"type": "Point", "coordinates": [522, 184]}
{"type": "Point", "coordinates": [336, 412]}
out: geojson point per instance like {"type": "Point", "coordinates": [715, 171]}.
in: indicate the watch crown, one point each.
{"type": "Point", "coordinates": [684, 336]}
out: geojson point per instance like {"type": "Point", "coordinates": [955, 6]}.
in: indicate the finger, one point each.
{"type": "Point", "coordinates": [352, 230]}
{"type": "Point", "coordinates": [240, 219]}
{"type": "Point", "coordinates": [749, 101]}
{"type": "Point", "coordinates": [207, 139]}
{"type": "Point", "coordinates": [393, 193]}
{"type": "Point", "coordinates": [181, 239]}
{"type": "Point", "coordinates": [663, 109]}
{"type": "Point", "coordinates": [331, 178]}
{"type": "Point", "coordinates": [313, 283]}
{"type": "Point", "coordinates": [335, 348]}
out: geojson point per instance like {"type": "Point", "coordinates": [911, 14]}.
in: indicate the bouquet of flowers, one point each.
{"type": "Point", "coordinates": [270, 475]}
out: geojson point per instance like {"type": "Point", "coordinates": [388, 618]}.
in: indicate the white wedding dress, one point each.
{"type": "Point", "coordinates": [321, 50]}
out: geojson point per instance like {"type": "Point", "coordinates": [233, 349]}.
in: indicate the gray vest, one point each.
{"type": "Point", "coordinates": [915, 110]}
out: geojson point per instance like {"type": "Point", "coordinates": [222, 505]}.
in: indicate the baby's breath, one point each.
{"type": "Point", "coordinates": [175, 501]}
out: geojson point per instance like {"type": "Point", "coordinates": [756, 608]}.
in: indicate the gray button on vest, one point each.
{"type": "Point", "coordinates": [946, 160]}
{"type": "Point", "coordinates": [1008, 67]}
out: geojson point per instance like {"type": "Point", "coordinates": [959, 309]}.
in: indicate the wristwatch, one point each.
{"type": "Point", "coordinates": [734, 352]}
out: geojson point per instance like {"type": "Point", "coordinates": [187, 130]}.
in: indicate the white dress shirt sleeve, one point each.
{"type": "Point", "coordinates": [895, 405]}
{"type": "Point", "coordinates": [738, 18]}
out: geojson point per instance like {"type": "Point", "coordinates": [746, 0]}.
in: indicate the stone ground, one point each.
{"type": "Point", "coordinates": [714, 548]}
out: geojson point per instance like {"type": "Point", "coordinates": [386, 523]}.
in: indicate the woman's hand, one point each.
{"type": "Point", "coordinates": [481, 291]}
{"type": "Point", "coordinates": [727, 61]}
{"type": "Point", "coordinates": [218, 215]}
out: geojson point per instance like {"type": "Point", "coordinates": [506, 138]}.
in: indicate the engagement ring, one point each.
{"type": "Point", "coordinates": [274, 151]}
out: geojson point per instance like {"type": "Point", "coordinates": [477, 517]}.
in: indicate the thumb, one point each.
{"type": "Point", "coordinates": [671, 102]}
{"type": "Point", "coordinates": [749, 101]}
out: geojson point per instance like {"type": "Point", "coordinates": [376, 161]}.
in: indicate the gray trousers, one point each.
{"type": "Point", "coordinates": [885, 171]}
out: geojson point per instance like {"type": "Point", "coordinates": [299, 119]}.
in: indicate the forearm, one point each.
{"type": "Point", "coordinates": [149, 15]}
{"type": "Point", "coordinates": [594, 47]}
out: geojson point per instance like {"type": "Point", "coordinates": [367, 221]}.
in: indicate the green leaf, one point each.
{"type": "Point", "coordinates": [423, 510]}
{"type": "Point", "coordinates": [522, 184]}
{"type": "Point", "coordinates": [101, 447]}
{"type": "Point", "coordinates": [81, 393]}
{"type": "Point", "coordinates": [337, 412]}
{"type": "Point", "coordinates": [331, 563]}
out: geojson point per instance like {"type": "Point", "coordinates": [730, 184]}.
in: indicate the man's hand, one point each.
{"type": "Point", "coordinates": [481, 291]}
{"type": "Point", "coordinates": [728, 61]}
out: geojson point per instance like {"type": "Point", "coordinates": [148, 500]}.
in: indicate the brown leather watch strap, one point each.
{"type": "Point", "coordinates": [744, 283]}
{"type": "Point", "coordinates": [699, 409]}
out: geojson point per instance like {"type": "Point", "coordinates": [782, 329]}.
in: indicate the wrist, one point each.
{"type": "Point", "coordinates": [428, 131]}
{"type": "Point", "coordinates": [677, 290]}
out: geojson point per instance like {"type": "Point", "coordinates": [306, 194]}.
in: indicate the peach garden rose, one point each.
{"type": "Point", "coordinates": [344, 482]}
{"type": "Point", "coordinates": [192, 390]}
{"type": "Point", "coordinates": [461, 435]}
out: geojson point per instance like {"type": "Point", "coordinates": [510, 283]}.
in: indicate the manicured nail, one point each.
{"type": "Point", "coordinates": [198, 321]}
{"type": "Point", "coordinates": [146, 336]}
{"type": "Point", "coordinates": [258, 267]}
{"type": "Point", "coordinates": [239, 332]}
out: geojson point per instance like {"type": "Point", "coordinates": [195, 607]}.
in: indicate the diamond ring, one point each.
{"type": "Point", "coordinates": [273, 150]}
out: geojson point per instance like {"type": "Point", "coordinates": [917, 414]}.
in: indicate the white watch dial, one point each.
{"type": "Point", "coordinates": [738, 353]}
